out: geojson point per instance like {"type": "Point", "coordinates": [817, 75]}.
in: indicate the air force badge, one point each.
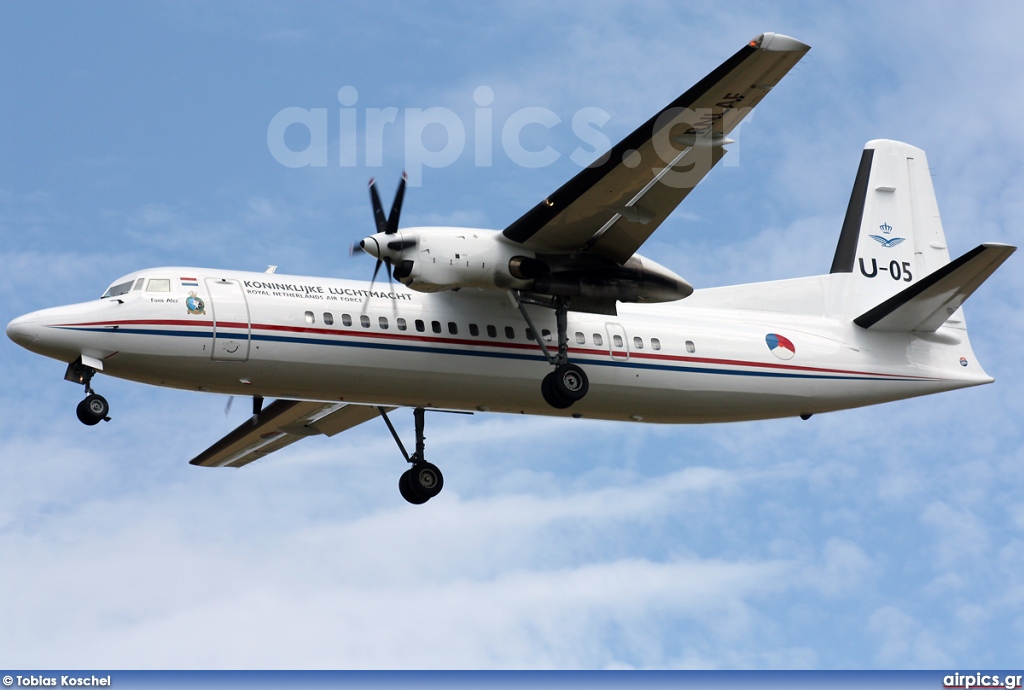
{"type": "Point", "coordinates": [195, 304]}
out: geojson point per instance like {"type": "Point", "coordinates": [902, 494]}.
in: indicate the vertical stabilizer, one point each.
{"type": "Point", "coordinates": [892, 235]}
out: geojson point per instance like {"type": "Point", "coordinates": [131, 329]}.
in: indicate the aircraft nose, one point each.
{"type": "Point", "coordinates": [23, 330]}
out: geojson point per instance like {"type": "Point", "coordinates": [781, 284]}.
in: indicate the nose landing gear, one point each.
{"type": "Point", "coordinates": [94, 409]}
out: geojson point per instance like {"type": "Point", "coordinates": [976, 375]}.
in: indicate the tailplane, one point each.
{"type": "Point", "coordinates": [893, 247]}
{"type": "Point", "coordinates": [928, 303]}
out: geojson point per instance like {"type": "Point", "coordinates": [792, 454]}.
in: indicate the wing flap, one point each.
{"type": "Point", "coordinates": [614, 205]}
{"type": "Point", "coordinates": [280, 424]}
{"type": "Point", "coordinates": [927, 304]}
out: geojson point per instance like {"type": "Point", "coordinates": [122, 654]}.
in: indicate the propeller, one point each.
{"type": "Point", "coordinates": [386, 225]}
{"type": "Point", "coordinates": [257, 405]}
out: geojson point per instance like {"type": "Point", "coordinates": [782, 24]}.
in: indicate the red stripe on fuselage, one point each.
{"type": "Point", "coordinates": [409, 337]}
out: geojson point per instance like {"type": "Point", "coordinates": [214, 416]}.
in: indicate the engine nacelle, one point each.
{"type": "Point", "coordinates": [439, 258]}
{"type": "Point", "coordinates": [639, 280]}
{"type": "Point", "coordinates": [435, 259]}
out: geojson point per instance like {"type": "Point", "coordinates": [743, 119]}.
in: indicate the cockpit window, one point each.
{"type": "Point", "coordinates": [138, 284]}
{"type": "Point", "coordinates": [119, 289]}
{"type": "Point", "coordinates": [158, 285]}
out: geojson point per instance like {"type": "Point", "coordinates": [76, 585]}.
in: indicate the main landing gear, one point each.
{"type": "Point", "coordinates": [568, 382]}
{"type": "Point", "coordinates": [94, 409]}
{"type": "Point", "coordinates": [422, 481]}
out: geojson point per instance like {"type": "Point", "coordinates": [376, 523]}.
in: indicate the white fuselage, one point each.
{"type": "Point", "coordinates": [703, 359]}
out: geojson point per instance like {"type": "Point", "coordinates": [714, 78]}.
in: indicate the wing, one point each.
{"type": "Point", "coordinates": [282, 423]}
{"type": "Point", "coordinates": [613, 206]}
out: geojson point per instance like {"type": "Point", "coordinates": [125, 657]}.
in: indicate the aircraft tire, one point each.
{"type": "Point", "coordinates": [426, 479]}
{"type": "Point", "coordinates": [409, 493]}
{"type": "Point", "coordinates": [551, 396]}
{"type": "Point", "coordinates": [570, 382]}
{"type": "Point", "coordinates": [92, 410]}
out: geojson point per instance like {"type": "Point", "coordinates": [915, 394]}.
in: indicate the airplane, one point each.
{"type": "Point", "coordinates": [557, 314]}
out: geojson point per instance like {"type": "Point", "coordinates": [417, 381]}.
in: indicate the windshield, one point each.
{"type": "Point", "coordinates": [119, 289]}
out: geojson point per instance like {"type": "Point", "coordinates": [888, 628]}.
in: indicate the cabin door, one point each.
{"type": "Point", "coordinates": [231, 326]}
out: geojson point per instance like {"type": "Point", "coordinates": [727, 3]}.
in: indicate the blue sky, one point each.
{"type": "Point", "coordinates": [135, 135]}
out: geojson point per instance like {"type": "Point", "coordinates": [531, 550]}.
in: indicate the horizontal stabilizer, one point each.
{"type": "Point", "coordinates": [925, 305]}
{"type": "Point", "coordinates": [282, 423]}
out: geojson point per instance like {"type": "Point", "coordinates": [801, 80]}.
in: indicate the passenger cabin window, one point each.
{"type": "Point", "coordinates": [546, 334]}
{"type": "Point", "coordinates": [510, 333]}
{"type": "Point", "coordinates": [383, 323]}
{"type": "Point", "coordinates": [119, 289]}
{"type": "Point", "coordinates": [492, 331]}
{"type": "Point", "coordinates": [529, 334]}
{"type": "Point", "coordinates": [690, 347]}
{"type": "Point", "coordinates": [346, 319]}
{"type": "Point", "coordinates": [435, 326]}
{"type": "Point", "coordinates": [453, 328]}
{"type": "Point", "coordinates": [310, 318]}
{"type": "Point", "coordinates": [580, 338]}
{"type": "Point", "coordinates": [617, 340]}
{"type": "Point", "coordinates": [364, 321]}
{"type": "Point", "coordinates": [638, 342]}
{"type": "Point", "coordinates": [400, 323]}
{"type": "Point", "coordinates": [420, 326]}
{"type": "Point", "coordinates": [474, 329]}
{"type": "Point", "coordinates": [158, 285]}
{"type": "Point", "coordinates": [328, 318]}
{"type": "Point", "coordinates": [655, 344]}
{"type": "Point", "coordinates": [598, 340]}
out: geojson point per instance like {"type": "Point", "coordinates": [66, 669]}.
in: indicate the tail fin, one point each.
{"type": "Point", "coordinates": [892, 235]}
{"type": "Point", "coordinates": [894, 249]}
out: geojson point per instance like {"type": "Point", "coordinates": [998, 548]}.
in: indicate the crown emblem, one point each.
{"type": "Point", "coordinates": [886, 228]}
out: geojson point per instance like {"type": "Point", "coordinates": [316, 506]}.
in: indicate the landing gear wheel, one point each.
{"type": "Point", "coordinates": [551, 397]}
{"type": "Point", "coordinates": [426, 479]}
{"type": "Point", "coordinates": [570, 382]}
{"type": "Point", "coordinates": [420, 483]}
{"type": "Point", "coordinates": [93, 409]}
{"type": "Point", "coordinates": [409, 493]}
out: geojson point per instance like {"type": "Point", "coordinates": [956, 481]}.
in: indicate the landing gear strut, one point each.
{"type": "Point", "coordinates": [568, 382]}
{"type": "Point", "coordinates": [94, 409]}
{"type": "Point", "coordinates": [422, 481]}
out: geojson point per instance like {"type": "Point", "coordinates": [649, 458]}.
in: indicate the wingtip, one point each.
{"type": "Point", "coordinates": [779, 43]}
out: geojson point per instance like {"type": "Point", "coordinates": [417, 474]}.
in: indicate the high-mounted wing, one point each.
{"type": "Point", "coordinates": [613, 206]}
{"type": "Point", "coordinates": [280, 424]}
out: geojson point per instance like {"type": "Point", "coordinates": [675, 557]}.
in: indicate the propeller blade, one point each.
{"type": "Point", "coordinates": [376, 269]}
{"type": "Point", "coordinates": [391, 290]}
{"type": "Point", "coordinates": [396, 207]}
{"type": "Point", "coordinates": [378, 209]}
{"type": "Point", "coordinates": [356, 247]}
{"type": "Point", "coordinates": [227, 408]}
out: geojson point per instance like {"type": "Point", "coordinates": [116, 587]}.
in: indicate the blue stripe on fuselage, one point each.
{"type": "Point", "coordinates": [497, 355]}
